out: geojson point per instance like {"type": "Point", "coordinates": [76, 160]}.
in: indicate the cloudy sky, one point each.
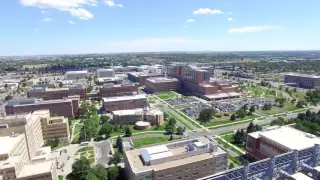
{"type": "Point", "coordinates": [30, 27]}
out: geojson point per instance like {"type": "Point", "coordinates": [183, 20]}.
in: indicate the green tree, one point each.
{"type": "Point", "coordinates": [52, 142]}
{"type": "Point", "coordinates": [106, 129]}
{"type": "Point", "coordinates": [171, 137]}
{"type": "Point", "coordinates": [252, 109]}
{"type": "Point", "coordinates": [60, 84]}
{"type": "Point", "coordinates": [301, 104]}
{"type": "Point", "coordinates": [180, 130]}
{"type": "Point", "coordinates": [113, 173]}
{"type": "Point", "coordinates": [231, 166]}
{"type": "Point", "coordinates": [8, 97]}
{"type": "Point", "coordinates": [250, 128]}
{"type": "Point", "coordinates": [128, 132]}
{"type": "Point", "coordinates": [241, 113]}
{"type": "Point", "coordinates": [80, 169]}
{"type": "Point", "coordinates": [115, 159]}
{"type": "Point", "coordinates": [104, 119]}
{"type": "Point", "coordinates": [119, 143]}
{"type": "Point", "coordinates": [206, 115]}
{"type": "Point", "coordinates": [90, 175]}
{"type": "Point", "coordinates": [90, 129]}
{"type": "Point", "coordinates": [233, 117]}
{"type": "Point", "coordinates": [172, 121]}
{"type": "Point", "coordinates": [170, 129]}
{"type": "Point", "coordinates": [100, 172]}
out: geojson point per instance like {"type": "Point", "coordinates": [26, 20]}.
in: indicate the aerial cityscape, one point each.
{"type": "Point", "coordinates": [168, 90]}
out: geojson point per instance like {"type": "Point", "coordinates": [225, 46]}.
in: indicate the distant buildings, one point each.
{"type": "Point", "coordinates": [302, 81]}
{"type": "Point", "coordinates": [105, 73]}
{"type": "Point", "coordinates": [57, 93]}
{"type": "Point", "coordinates": [241, 74]}
{"type": "Point", "coordinates": [198, 81]}
{"type": "Point", "coordinates": [125, 102]}
{"type": "Point", "coordinates": [110, 90]}
{"type": "Point", "coordinates": [131, 116]}
{"type": "Point", "coordinates": [189, 159]}
{"type": "Point", "coordinates": [162, 84]}
{"type": "Point", "coordinates": [75, 75]}
{"type": "Point", "coordinates": [278, 140]}
{"type": "Point", "coordinates": [61, 107]}
{"type": "Point", "coordinates": [141, 77]}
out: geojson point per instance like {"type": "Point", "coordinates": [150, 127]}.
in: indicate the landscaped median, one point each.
{"type": "Point", "coordinates": [238, 121]}
{"type": "Point", "coordinates": [87, 152]}
{"type": "Point", "coordinates": [149, 141]}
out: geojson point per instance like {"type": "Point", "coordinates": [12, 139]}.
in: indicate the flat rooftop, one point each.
{"type": "Point", "coordinates": [138, 74]}
{"type": "Point", "coordinates": [162, 79]}
{"type": "Point", "coordinates": [9, 142]}
{"type": "Point", "coordinates": [36, 168]}
{"type": "Point", "coordinates": [45, 102]}
{"type": "Point", "coordinates": [291, 138]}
{"type": "Point", "coordinates": [303, 75]}
{"type": "Point", "coordinates": [165, 151]}
{"type": "Point", "coordinates": [110, 85]}
{"type": "Point", "coordinates": [124, 98]}
{"type": "Point", "coordinates": [77, 72]}
{"type": "Point", "coordinates": [301, 176]}
{"type": "Point", "coordinates": [135, 111]}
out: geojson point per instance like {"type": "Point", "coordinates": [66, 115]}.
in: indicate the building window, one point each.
{"type": "Point", "coordinates": [169, 174]}
{"type": "Point", "coordinates": [179, 178]}
{"type": "Point", "coordinates": [187, 170]}
{"type": "Point", "coordinates": [179, 171]}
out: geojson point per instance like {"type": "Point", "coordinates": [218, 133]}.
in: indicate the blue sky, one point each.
{"type": "Point", "coordinates": [30, 27]}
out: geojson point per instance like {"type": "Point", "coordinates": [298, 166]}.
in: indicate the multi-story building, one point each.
{"type": "Point", "coordinates": [60, 107]}
{"type": "Point", "coordinates": [189, 159]}
{"type": "Point", "coordinates": [15, 164]}
{"type": "Point", "coordinates": [53, 127]}
{"type": "Point", "coordinates": [162, 84]}
{"type": "Point", "coordinates": [110, 90]}
{"type": "Point", "coordinates": [125, 102]}
{"type": "Point", "coordinates": [198, 81]}
{"type": "Point", "coordinates": [278, 140]}
{"type": "Point", "coordinates": [27, 125]}
{"type": "Point", "coordinates": [75, 75]}
{"type": "Point", "coordinates": [105, 73]}
{"type": "Point", "coordinates": [302, 81]}
{"type": "Point", "coordinates": [131, 116]}
{"type": "Point", "coordinates": [141, 77]}
{"type": "Point", "coordinates": [57, 93]}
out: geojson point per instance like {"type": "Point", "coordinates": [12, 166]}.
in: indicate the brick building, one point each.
{"type": "Point", "coordinates": [278, 140]}
{"type": "Point", "coordinates": [57, 93]}
{"type": "Point", "coordinates": [198, 81]}
{"type": "Point", "coordinates": [187, 159]}
{"type": "Point", "coordinates": [111, 90]}
{"type": "Point", "coordinates": [302, 81]}
{"type": "Point", "coordinates": [125, 102]}
{"type": "Point", "coordinates": [131, 116]}
{"type": "Point", "coordinates": [162, 84]}
{"type": "Point", "coordinates": [141, 77]}
{"type": "Point", "coordinates": [62, 107]}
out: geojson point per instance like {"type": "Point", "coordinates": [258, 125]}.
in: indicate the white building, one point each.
{"type": "Point", "coordinates": [101, 73]}
{"type": "Point", "coordinates": [75, 75]}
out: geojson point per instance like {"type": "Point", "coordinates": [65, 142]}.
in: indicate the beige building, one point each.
{"type": "Point", "coordinates": [189, 159]}
{"type": "Point", "coordinates": [154, 116]}
{"type": "Point", "coordinates": [15, 163]}
{"type": "Point", "coordinates": [53, 127]}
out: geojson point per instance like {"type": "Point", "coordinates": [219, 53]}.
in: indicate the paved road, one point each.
{"type": "Point", "coordinates": [102, 150]}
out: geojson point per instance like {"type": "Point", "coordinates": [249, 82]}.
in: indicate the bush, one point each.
{"type": "Point", "coordinates": [226, 114]}
{"type": "Point", "coordinates": [218, 115]}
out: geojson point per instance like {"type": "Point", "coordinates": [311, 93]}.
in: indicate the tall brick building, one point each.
{"type": "Point", "coordinates": [110, 90]}
{"type": "Point", "coordinates": [198, 81]}
{"type": "Point", "coordinates": [61, 107]}
{"type": "Point", "coordinates": [57, 93]}
{"type": "Point", "coordinates": [125, 102]}
{"type": "Point", "coordinates": [162, 84]}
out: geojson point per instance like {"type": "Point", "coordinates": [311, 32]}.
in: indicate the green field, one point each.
{"type": "Point", "coordinates": [216, 122]}
{"type": "Point", "coordinates": [275, 110]}
{"type": "Point", "coordinates": [229, 138]}
{"type": "Point", "coordinates": [179, 119]}
{"type": "Point", "coordinates": [299, 95]}
{"type": "Point", "coordinates": [167, 95]}
{"type": "Point", "coordinates": [148, 141]}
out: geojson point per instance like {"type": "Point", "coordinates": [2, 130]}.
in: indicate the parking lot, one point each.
{"type": "Point", "coordinates": [224, 107]}
{"type": "Point", "coordinates": [194, 110]}
{"type": "Point", "coordinates": [180, 101]}
{"type": "Point", "coordinates": [258, 102]}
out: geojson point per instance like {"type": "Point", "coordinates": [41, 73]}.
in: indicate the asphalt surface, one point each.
{"type": "Point", "coordinates": [102, 150]}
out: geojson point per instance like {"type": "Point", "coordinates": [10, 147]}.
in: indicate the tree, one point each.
{"type": "Point", "coordinates": [106, 129]}
{"type": "Point", "coordinates": [90, 129]}
{"type": "Point", "coordinates": [128, 132]}
{"type": "Point", "coordinates": [206, 115]}
{"type": "Point", "coordinates": [100, 172]}
{"type": "Point", "coordinates": [90, 175]}
{"type": "Point", "coordinates": [8, 97]}
{"type": "Point", "coordinates": [281, 101]}
{"type": "Point", "coordinates": [233, 117]}
{"type": "Point", "coordinates": [172, 121]}
{"type": "Point", "coordinates": [231, 166]}
{"type": "Point", "coordinates": [80, 169]}
{"type": "Point", "coordinates": [104, 119]}
{"type": "Point", "coordinates": [250, 128]}
{"type": "Point", "coordinates": [308, 113]}
{"type": "Point", "coordinates": [119, 143]}
{"type": "Point", "coordinates": [113, 173]}
{"type": "Point", "coordinates": [237, 137]}
{"type": "Point", "coordinates": [180, 130]}
{"type": "Point", "coordinates": [252, 109]}
{"type": "Point", "coordinates": [170, 129]}
{"type": "Point", "coordinates": [295, 90]}
{"type": "Point", "coordinates": [52, 142]}
{"type": "Point", "coordinates": [60, 84]}
{"type": "Point", "coordinates": [115, 159]}
{"type": "Point", "coordinates": [241, 113]}
{"type": "Point", "coordinates": [171, 138]}
{"type": "Point", "coordinates": [301, 104]}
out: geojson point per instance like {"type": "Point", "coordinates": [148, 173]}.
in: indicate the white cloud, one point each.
{"type": "Point", "coordinates": [230, 19]}
{"type": "Point", "coordinates": [111, 3]}
{"type": "Point", "coordinates": [229, 12]}
{"type": "Point", "coordinates": [71, 22]}
{"type": "Point", "coordinates": [42, 12]}
{"type": "Point", "coordinates": [191, 20]}
{"type": "Point", "coordinates": [47, 20]}
{"type": "Point", "coordinates": [207, 11]}
{"type": "Point", "coordinates": [36, 30]}
{"type": "Point", "coordinates": [74, 7]}
{"type": "Point", "coordinates": [249, 29]}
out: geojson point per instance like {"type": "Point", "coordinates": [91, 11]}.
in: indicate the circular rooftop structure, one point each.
{"type": "Point", "coordinates": [142, 125]}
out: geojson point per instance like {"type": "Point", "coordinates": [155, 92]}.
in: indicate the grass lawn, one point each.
{"type": "Point", "coordinates": [229, 138]}
{"type": "Point", "coordinates": [275, 110]}
{"type": "Point", "coordinates": [84, 149]}
{"type": "Point", "coordinates": [216, 121]}
{"type": "Point", "coordinates": [153, 128]}
{"type": "Point", "coordinates": [148, 141]}
{"type": "Point", "coordinates": [299, 95]}
{"type": "Point", "coordinates": [87, 152]}
{"type": "Point", "coordinates": [167, 95]}
{"type": "Point", "coordinates": [77, 128]}
{"type": "Point", "coordinates": [179, 119]}
{"type": "Point", "coordinates": [60, 178]}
